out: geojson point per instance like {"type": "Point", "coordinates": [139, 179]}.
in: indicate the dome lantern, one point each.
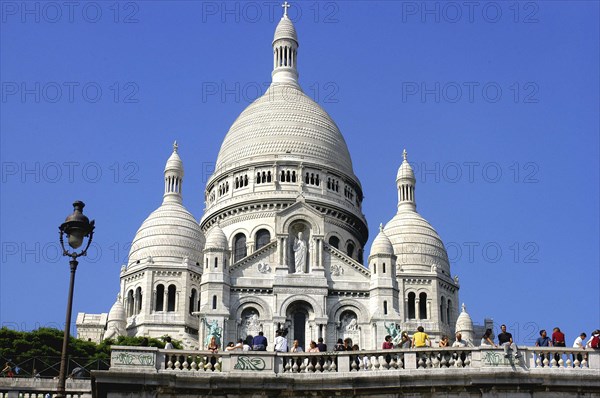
{"type": "Point", "coordinates": [285, 50]}
{"type": "Point", "coordinates": [173, 177]}
{"type": "Point", "coordinates": [405, 182]}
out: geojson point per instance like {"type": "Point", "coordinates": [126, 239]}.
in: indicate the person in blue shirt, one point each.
{"type": "Point", "coordinates": [543, 341]}
{"type": "Point", "coordinates": [259, 343]}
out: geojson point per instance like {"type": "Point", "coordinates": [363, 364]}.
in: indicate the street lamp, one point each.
{"type": "Point", "coordinates": [76, 227]}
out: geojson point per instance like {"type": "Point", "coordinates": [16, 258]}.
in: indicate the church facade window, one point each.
{"type": "Point", "coordinates": [263, 237]}
{"type": "Point", "coordinates": [239, 247]}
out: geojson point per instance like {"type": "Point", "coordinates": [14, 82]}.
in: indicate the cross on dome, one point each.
{"type": "Point", "coordinates": [285, 6]}
{"type": "Point", "coordinates": [404, 154]}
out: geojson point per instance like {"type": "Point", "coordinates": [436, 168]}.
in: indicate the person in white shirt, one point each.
{"type": "Point", "coordinates": [281, 344]}
{"type": "Point", "coordinates": [168, 345]}
{"type": "Point", "coordinates": [578, 343]}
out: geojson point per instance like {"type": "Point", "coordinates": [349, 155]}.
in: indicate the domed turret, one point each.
{"type": "Point", "coordinates": [416, 243]}
{"type": "Point", "coordinates": [382, 244]}
{"type": "Point", "coordinates": [464, 325]}
{"type": "Point", "coordinates": [216, 239]}
{"type": "Point", "coordinates": [171, 232]}
{"type": "Point", "coordinates": [117, 320]}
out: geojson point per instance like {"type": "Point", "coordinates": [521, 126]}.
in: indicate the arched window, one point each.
{"type": "Point", "coordinates": [334, 241]}
{"type": "Point", "coordinates": [448, 310]}
{"type": "Point", "coordinates": [383, 268]}
{"type": "Point", "coordinates": [423, 306]}
{"type": "Point", "coordinates": [160, 298]}
{"type": "Point", "coordinates": [214, 303]}
{"type": "Point", "coordinates": [129, 303]}
{"type": "Point", "coordinates": [411, 305]}
{"type": "Point", "coordinates": [385, 310]}
{"type": "Point", "coordinates": [374, 268]}
{"type": "Point", "coordinates": [216, 262]}
{"type": "Point", "coordinates": [193, 300]}
{"type": "Point", "coordinates": [442, 309]}
{"type": "Point", "coordinates": [171, 296]}
{"type": "Point", "coordinates": [350, 250]}
{"type": "Point", "coordinates": [263, 237]}
{"type": "Point", "coordinates": [138, 300]}
{"type": "Point", "coordinates": [239, 247]}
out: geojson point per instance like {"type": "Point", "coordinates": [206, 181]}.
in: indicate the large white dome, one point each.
{"type": "Point", "coordinates": [284, 124]}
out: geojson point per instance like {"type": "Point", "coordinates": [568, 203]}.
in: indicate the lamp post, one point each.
{"type": "Point", "coordinates": [76, 227]}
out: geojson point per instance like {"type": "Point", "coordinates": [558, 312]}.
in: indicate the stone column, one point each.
{"type": "Point", "coordinates": [320, 249]}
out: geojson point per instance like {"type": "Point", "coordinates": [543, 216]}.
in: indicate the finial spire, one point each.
{"type": "Point", "coordinates": [380, 227]}
{"type": "Point", "coordinates": [464, 307]}
{"type": "Point", "coordinates": [404, 154]}
{"type": "Point", "coordinates": [175, 146]}
{"type": "Point", "coordinates": [285, 6]}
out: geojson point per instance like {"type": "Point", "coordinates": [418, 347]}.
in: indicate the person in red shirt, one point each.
{"type": "Point", "coordinates": [387, 344]}
{"type": "Point", "coordinates": [558, 340]}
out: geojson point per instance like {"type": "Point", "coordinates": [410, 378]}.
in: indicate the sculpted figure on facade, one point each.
{"type": "Point", "coordinates": [213, 329]}
{"type": "Point", "coordinates": [299, 254]}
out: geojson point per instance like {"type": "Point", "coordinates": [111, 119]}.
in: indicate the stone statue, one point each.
{"type": "Point", "coordinates": [394, 331]}
{"type": "Point", "coordinates": [213, 330]}
{"type": "Point", "coordinates": [349, 323]}
{"type": "Point", "coordinates": [299, 254]}
{"type": "Point", "coordinates": [352, 325]}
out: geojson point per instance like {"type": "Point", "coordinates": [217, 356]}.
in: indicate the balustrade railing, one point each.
{"type": "Point", "coordinates": [428, 359]}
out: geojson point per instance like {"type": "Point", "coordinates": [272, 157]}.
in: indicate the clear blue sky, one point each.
{"type": "Point", "coordinates": [497, 106]}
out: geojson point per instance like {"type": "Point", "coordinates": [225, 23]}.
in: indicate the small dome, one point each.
{"type": "Point", "coordinates": [170, 233]}
{"type": "Point", "coordinates": [174, 162]}
{"type": "Point", "coordinates": [382, 244]}
{"type": "Point", "coordinates": [464, 321]}
{"type": "Point", "coordinates": [117, 312]}
{"type": "Point", "coordinates": [285, 30]}
{"type": "Point", "coordinates": [416, 242]}
{"type": "Point", "coordinates": [216, 239]}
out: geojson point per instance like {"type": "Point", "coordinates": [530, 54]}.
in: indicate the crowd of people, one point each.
{"type": "Point", "coordinates": [419, 339]}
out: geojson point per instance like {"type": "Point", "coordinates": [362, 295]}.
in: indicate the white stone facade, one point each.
{"type": "Point", "coordinates": [284, 170]}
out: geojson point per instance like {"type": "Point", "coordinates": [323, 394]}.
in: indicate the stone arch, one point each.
{"type": "Point", "coordinates": [254, 230]}
{"type": "Point", "coordinates": [350, 243]}
{"type": "Point", "coordinates": [261, 305]}
{"type": "Point", "coordinates": [349, 304]}
{"type": "Point", "coordinates": [314, 226]}
{"type": "Point", "coordinates": [337, 236]}
{"type": "Point", "coordinates": [318, 310]}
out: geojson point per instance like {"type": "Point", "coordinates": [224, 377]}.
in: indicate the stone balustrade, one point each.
{"type": "Point", "coordinates": [429, 359]}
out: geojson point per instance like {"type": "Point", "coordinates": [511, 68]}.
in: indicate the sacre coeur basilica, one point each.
{"type": "Point", "coordinates": [281, 242]}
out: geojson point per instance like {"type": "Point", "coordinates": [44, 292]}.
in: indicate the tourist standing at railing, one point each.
{"type": "Point", "coordinates": [594, 341]}
{"type": "Point", "coordinates": [312, 347]}
{"type": "Point", "coordinates": [168, 344]}
{"type": "Point", "coordinates": [387, 343]}
{"type": "Point", "coordinates": [444, 342]}
{"type": "Point", "coordinates": [7, 371]}
{"type": "Point", "coordinates": [486, 339]}
{"type": "Point", "coordinates": [405, 342]}
{"type": "Point", "coordinates": [259, 343]}
{"type": "Point", "coordinates": [505, 340]}
{"type": "Point", "coordinates": [212, 345]}
{"type": "Point", "coordinates": [339, 346]}
{"type": "Point", "coordinates": [578, 343]}
{"type": "Point", "coordinates": [322, 346]}
{"type": "Point", "coordinates": [420, 338]}
{"type": "Point", "coordinates": [347, 344]}
{"type": "Point", "coordinates": [460, 343]}
{"type": "Point", "coordinates": [248, 343]}
{"type": "Point", "coordinates": [296, 347]}
{"type": "Point", "coordinates": [281, 344]}
{"type": "Point", "coordinates": [543, 341]}
{"type": "Point", "coordinates": [558, 340]}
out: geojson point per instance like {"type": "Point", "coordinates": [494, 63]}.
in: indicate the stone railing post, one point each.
{"type": "Point", "coordinates": [594, 359]}
{"type": "Point", "coordinates": [410, 360]}
{"type": "Point", "coordinates": [343, 363]}
{"type": "Point", "coordinates": [137, 359]}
